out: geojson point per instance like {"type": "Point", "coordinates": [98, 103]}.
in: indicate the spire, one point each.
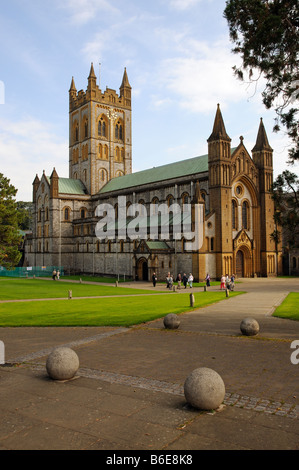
{"type": "Point", "coordinates": [54, 186]}
{"type": "Point", "coordinates": [91, 73]}
{"type": "Point", "coordinates": [125, 82]}
{"type": "Point", "coordinates": [126, 90]}
{"type": "Point", "coordinates": [262, 139]}
{"type": "Point", "coordinates": [73, 87]}
{"type": "Point", "coordinates": [92, 79]}
{"type": "Point", "coordinates": [219, 131]}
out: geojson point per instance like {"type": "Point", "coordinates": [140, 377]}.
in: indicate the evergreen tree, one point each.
{"type": "Point", "coordinates": [265, 35]}
{"type": "Point", "coordinates": [286, 200]}
{"type": "Point", "coordinates": [10, 236]}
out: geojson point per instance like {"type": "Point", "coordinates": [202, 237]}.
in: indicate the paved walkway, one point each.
{"type": "Point", "coordinates": [128, 392]}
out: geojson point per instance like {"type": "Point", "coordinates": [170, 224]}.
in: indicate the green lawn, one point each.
{"type": "Point", "coordinates": [14, 289]}
{"type": "Point", "coordinates": [289, 307]}
{"type": "Point", "coordinates": [121, 311]}
{"type": "Point", "coordinates": [107, 280]}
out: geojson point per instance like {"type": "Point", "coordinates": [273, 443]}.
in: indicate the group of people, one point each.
{"type": "Point", "coordinates": [55, 275]}
{"type": "Point", "coordinates": [227, 282]}
{"type": "Point", "coordinates": [186, 280]}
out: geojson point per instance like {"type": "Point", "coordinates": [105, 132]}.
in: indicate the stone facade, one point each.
{"type": "Point", "coordinates": [230, 187]}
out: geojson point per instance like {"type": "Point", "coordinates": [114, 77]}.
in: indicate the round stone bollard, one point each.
{"type": "Point", "coordinates": [62, 364]}
{"type": "Point", "coordinates": [171, 321]}
{"type": "Point", "coordinates": [249, 327]}
{"type": "Point", "coordinates": [204, 389]}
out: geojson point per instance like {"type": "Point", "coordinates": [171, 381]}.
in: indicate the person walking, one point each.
{"type": "Point", "coordinates": [222, 282]}
{"type": "Point", "coordinates": [58, 275]}
{"type": "Point", "coordinates": [54, 274]}
{"type": "Point", "coordinates": [190, 280]}
{"type": "Point", "coordinates": [227, 282]}
{"type": "Point", "coordinates": [232, 282]}
{"type": "Point", "coordinates": [170, 282]}
{"type": "Point", "coordinates": [185, 280]}
{"type": "Point", "coordinates": [208, 279]}
{"type": "Point", "coordinates": [154, 278]}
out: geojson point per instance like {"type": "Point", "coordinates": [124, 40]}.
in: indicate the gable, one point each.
{"type": "Point", "coordinates": [242, 164]}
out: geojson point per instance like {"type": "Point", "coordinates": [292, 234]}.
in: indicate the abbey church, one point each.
{"type": "Point", "coordinates": [231, 187]}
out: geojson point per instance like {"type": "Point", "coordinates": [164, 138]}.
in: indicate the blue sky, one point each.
{"type": "Point", "coordinates": [179, 62]}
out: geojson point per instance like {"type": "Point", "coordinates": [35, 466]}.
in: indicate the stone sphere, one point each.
{"type": "Point", "coordinates": [204, 389]}
{"type": "Point", "coordinates": [249, 327]}
{"type": "Point", "coordinates": [171, 321]}
{"type": "Point", "coordinates": [62, 364]}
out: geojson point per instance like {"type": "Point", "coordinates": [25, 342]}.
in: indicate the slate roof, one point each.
{"type": "Point", "coordinates": [161, 173]}
{"type": "Point", "coordinates": [71, 186]}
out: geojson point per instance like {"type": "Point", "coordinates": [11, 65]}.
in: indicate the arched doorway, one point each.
{"type": "Point", "coordinates": [240, 264]}
{"type": "Point", "coordinates": [142, 270]}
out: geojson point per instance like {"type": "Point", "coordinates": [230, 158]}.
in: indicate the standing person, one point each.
{"type": "Point", "coordinates": [54, 273]}
{"type": "Point", "coordinates": [190, 280]}
{"type": "Point", "coordinates": [185, 280]}
{"type": "Point", "coordinates": [227, 282]}
{"type": "Point", "coordinates": [58, 275]}
{"type": "Point", "coordinates": [232, 282]}
{"type": "Point", "coordinates": [154, 278]}
{"type": "Point", "coordinates": [208, 279]}
{"type": "Point", "coordinates": [167, 280]}
{"type": "Point", "coordinates": [170, 281]}
{"type": "Point", "coordinates": [222, 282]}
{"type": "Point", "coordinates": [179, 279]}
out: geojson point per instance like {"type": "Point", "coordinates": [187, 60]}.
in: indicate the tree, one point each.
{"type": "Point", "coordinates": [265, 34]}
{"type": "Point", "coordinates": [10, 236]}
{"type": "Point", "coordinates": [25, 215]}
{"type": "Point", "coordinates": [286, 199]}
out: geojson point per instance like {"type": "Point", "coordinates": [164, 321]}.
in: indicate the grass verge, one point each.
{"type": "Point", "coordinates": [121, 311]}
{"type": "Point", "coordinates": [289, 307]}
{"type": "Point", "coordinates": [16, 289]}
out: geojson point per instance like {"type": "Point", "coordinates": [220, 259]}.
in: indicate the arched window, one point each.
{"type": "Point", "coordinates": [66, 213]}
{"type": "Point", "coordinates": [76, 131]}
{"type": "Point", "coordinates": [102, 128]}
{"type": "Point", "coordinates": [86, 128]}
{"type": "Point", "coordinates": [169, 200]}
{"type": "Point", "coordinates": [245, 215]}
{"type": "Point", "coordinates": [102, 175]}
{"type": "Point", "coordinates": [154, 206]}
{"type": "Point", "coordinates": [119, 131]}
{"type": "Point", "coordinates": [82, 213]}
{"type": "Point", "coordinates": [234, 215]}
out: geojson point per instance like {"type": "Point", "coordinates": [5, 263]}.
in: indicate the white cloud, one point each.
{"type": "Point", "coordinates": [28, 147]}
{"type": "Point", "coordinates": [201, 76]}
{"type": "Point", "coordinates": [183, 4]}
{"type": "Point", "coordinates": [83, 11]}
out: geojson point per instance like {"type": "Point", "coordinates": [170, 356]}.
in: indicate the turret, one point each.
{"type": "Point", "coordinates": [54, 190]}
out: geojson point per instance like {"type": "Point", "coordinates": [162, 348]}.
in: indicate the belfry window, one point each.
{"type": "Point", "coordinates": [118, 131]}
{"type": "Point", "coordinates": [102, 128]}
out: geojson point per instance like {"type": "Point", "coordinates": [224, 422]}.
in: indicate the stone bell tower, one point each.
{"type": "Point", "coordinates": [100, 133]}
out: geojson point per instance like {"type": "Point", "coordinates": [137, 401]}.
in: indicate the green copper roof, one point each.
{"type": "Point", "coordinates": [160, 173]}
{"type": "Point", "coordinates": [71, 186]}
{"type": "Point", "coordinates": [159, 245]}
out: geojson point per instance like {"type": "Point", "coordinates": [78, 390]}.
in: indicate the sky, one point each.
{"type": "Point", "coordinates": [178, 58]}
